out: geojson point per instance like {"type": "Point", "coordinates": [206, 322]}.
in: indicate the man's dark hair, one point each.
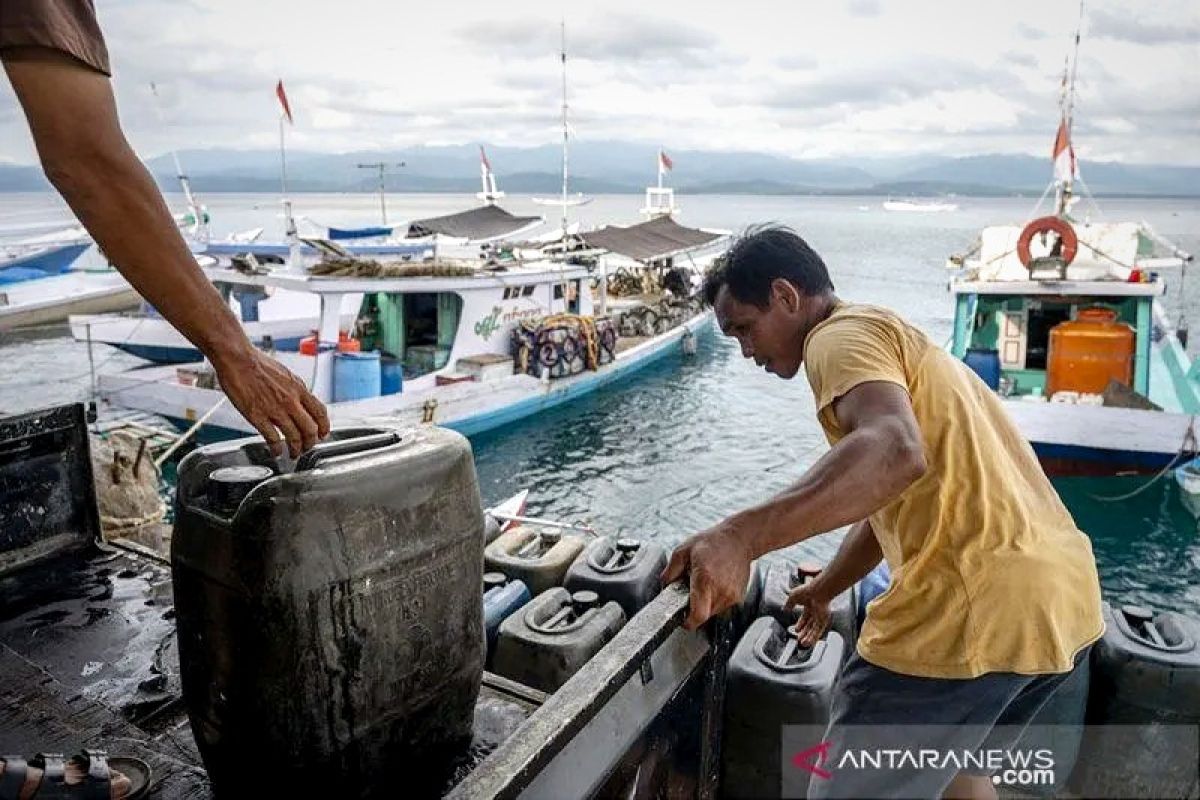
{"type": "Point", "coordinates": [760, 255]}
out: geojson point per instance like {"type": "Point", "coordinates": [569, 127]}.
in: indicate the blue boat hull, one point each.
{"type": "Point", "coordinates": [164, 354]}
{"type": "Point", "coordinates": [1074, 461]}
{"type": "Point", "coordinates": [42, 264]}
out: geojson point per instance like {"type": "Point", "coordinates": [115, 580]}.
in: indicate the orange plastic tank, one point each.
{"type": "Point", "coordinates": [1089, 351]}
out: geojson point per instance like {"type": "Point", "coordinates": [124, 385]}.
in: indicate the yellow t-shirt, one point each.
{"type": "Point", "coordinates": [989, 571]}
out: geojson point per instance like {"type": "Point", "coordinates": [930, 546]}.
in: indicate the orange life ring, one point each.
{"type": "Point", "coordinates": [1070, 242]}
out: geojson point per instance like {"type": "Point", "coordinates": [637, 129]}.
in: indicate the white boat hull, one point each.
{"type": "Point", "coordinates": [1188, 479]}
{"type": "Point", "coordinates": [285, 316]}
{"type": "Point", "coordinates": [52, 300]}
{"type": "Point", "coordinates": [468, 407]}
{"type": "Point", "coordinates": [1083, 439]}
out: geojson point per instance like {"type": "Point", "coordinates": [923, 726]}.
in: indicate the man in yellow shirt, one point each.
{"type": "Point", "coordinates": [994, 596]}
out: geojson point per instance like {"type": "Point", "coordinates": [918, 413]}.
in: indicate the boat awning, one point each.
{"type": "Point", "coordinates": [485, 222]}
{"type": "Point", "coordinates": [655, 238]}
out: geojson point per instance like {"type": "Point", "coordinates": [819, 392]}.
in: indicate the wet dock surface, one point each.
{"type": "Point", "coordinates": [88, 659]}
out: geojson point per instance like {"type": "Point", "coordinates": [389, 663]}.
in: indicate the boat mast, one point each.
{"type": "Point", "coordinates": [283, 174]}
{"type": "Point", "coordinates": [563, 57]}
{"type": "Point", "coordinates": [289, 220]}
{"type": "Point", "coordinates": [200, 224]}
{"type": "Point", "coordinates": [1067, 103]}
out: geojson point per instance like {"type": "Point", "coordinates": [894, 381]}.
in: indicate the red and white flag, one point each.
{"type": "Point", "coordinates": [664, 161]}
{"type": "Point", "coordinates": [283, 101]}
{"type": "Point", "coordinates": [1066, 168]}
{"type": "Point", "coordinates": [483, 160]}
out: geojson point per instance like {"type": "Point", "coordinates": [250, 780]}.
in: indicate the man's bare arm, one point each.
{"type": "Point", "coordinates": [73, 117]}
{"type": "Point", "coordinates": [858, 554]}
{"type": "Point", "coordinates": [881, 455]}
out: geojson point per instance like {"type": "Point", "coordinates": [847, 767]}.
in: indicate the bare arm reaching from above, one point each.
{"type": "Point", "coordinates": [73, 117]}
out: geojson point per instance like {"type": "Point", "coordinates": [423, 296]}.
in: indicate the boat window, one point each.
{"type": "Point", "coordinates": [417, 328]}
{"type": "Point", "coordinates": [528, 290]}
{"type": "Point", "coordinates": [573, 297]}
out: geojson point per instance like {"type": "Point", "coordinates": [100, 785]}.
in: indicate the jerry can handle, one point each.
{"type": "Point", "coordinates": [1140, 625]}
{"type": "Point", "coordinates": [791, 646]}
{"type": "Point", "coordinates": [344, 447]}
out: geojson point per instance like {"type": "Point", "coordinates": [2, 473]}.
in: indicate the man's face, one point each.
{"type": "Point", "coordinates": [772, 336]}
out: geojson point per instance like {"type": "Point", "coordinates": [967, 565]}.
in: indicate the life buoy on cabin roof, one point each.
{"type": "Point", "coordinates": [1044, 225]}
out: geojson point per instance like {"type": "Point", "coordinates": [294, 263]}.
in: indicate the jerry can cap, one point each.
{"type": "Point", "coordinates": [585, 599]}
{"type": "Point", "coordinates": [228, 486]}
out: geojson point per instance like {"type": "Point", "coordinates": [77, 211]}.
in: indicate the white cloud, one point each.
{"type": "Point", "coordinates": [837, 79]}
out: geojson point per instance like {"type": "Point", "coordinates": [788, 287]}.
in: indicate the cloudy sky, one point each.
{"type": "Point", "coordinates": [805, 79]}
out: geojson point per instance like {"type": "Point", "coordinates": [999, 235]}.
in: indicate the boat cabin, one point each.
{"type": "Point", "coordinates": [1015, 321]}
{"type": "Point", "coordinates": [1070, 312]}
{"type": "Point", "coordinates": [426, 316]}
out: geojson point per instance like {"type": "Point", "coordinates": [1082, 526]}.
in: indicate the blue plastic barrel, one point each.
{"type": "Point", "coordinates": [986, 364]}
{"type": "Point", "coordinates": [499, 604]}
{"type": "Point", "coordinates": [391, 375]}
{"type": "Point", "coordinates": [356, 376]}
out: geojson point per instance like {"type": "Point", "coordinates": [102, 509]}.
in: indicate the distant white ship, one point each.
{"type": "Point", "coordinates": [918, 205]}
{"type": "Point", "coordinates": [577, 199]}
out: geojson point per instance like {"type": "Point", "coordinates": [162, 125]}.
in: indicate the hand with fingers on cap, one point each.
{"type": "Point", "coordinates": [717, 565]}
{"type": "Point", "coordinates": [273, 400]}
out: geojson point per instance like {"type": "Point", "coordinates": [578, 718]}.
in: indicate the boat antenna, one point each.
{"type": "Point", "coordinates": [563, 57]}
{"type": "Point", "coordinates": [1074, 70]}
{"type": "Point", "coordinates": [381, 167]}
{"type": "Point", "coordinates": [199, 215]}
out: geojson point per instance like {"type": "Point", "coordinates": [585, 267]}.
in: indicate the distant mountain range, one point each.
{"type": "Point", "coordinates": [622, 167]}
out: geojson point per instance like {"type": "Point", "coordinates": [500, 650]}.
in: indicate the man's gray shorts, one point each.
{"type": "Point", "coordinates": [876, 708]}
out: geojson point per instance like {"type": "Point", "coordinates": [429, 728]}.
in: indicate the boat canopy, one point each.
{"type": "Point", "coordinates": [484, 222]}
{"type": "Point", "coordinates": [646, 241]}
